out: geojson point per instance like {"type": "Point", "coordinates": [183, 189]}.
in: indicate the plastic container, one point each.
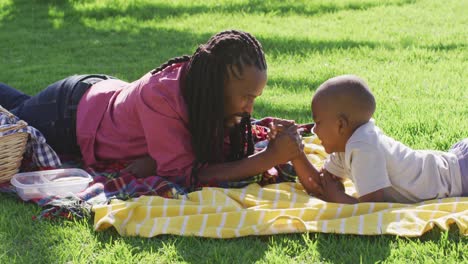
{"type": "Point", "coordinates": [60, 182]}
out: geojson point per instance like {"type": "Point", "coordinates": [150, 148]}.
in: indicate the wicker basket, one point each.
{"type": "Point", "coordinates": [12, 148]}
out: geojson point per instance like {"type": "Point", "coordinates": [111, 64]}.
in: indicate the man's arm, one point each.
{"type": "Point", "coordinates": [284, 148]}
{"type": "Point", "coordinates": [237, 170]}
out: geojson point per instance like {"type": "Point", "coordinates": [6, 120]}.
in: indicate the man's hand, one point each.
{"type": "Point", "coordinates": [142, 167]}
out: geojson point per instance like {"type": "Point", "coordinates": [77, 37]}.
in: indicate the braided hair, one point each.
{"type": "Point", "coordinates": [203, 92]}
{"type": "Point", "coordinates": [170, 62]}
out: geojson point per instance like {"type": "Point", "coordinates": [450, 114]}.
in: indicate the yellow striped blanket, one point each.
{"type": "Point", "coordinates": [274, 209]}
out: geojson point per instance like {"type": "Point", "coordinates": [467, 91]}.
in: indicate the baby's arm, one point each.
{"type": "Point", "coordinates": [333, 191]}
{"type": "Point", "coordinates": [307, 173]}
{"type": "Point", "coordinates": [377, 196]}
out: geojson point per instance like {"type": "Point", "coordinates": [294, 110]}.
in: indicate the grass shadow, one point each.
{"type": "Point", "coordinates": [446, 47]}
{"type": "Point", "coordinates": [162, 11]}
{"type": "Point", "coordinates": [353, 249]}
{"type": "Point", "coordinates": [28, 237]}
{"type": "Point", "coordinates": [294, 85]}
{"type": "Point", "coordinates": [77, 47]}
{"type": "Point", "coordinates": [376, 249]}
{"type": "Point", "coordinates": [278, 46]}
{"type": "Point", "coordinates": [188, 249]}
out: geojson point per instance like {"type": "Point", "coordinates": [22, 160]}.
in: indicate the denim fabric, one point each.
{"type": "Point", "coordinates": [53, 110]}
{"type": "Point", "coordinates": [461, 150]}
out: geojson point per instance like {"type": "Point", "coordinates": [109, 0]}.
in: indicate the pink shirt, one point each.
{"type": "Point", "coordinates": [118, 120]}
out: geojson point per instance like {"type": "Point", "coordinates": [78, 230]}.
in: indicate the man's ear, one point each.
{"type": "Point", "coordinates": [343, 123]}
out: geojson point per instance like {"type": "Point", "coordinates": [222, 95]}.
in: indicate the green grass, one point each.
{"type": "Point", "coordinates": [413, 54]}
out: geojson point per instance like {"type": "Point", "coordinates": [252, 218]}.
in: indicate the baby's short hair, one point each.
{"type": "Point", "coordinates": [350, 94]}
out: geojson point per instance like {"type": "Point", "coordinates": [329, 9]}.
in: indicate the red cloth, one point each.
{"type": "Point", "coordinates": [122, 121]}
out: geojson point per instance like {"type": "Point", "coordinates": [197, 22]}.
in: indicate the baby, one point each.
{"type": "Point", "coordinates": [381, 168]}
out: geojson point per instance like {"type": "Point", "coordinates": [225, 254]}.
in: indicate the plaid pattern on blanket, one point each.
{"type": "Point", "coordinates": [110, 182]}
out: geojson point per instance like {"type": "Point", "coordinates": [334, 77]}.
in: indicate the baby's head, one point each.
{"type": "Point", "coordinates": [339, 106]}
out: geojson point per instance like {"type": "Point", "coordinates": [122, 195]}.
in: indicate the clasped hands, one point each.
{"type": "Point", "coordinates": [286, 144]}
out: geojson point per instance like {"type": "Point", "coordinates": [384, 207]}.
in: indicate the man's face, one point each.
{"type": "Point", "coordinates": [240, 92]}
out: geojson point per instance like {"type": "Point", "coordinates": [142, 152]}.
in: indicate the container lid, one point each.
{"type": "Point", "coordinates": [51, 178]}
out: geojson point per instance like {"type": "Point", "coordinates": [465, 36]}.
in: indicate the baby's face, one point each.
{"type": "Point", "coordinates": [327, 127]}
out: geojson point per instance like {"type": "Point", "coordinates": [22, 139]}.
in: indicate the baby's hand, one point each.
{"type": "Point", "coordinates": [324, 172]}
{"type": "Point", "coordinates": [314, 186]}
{"type": "Point", "coordinates": [272, 131]}
{"type": "Point", "coordinates": [283, 122]}
{"type": "Point", "coordinates": [333, 188]}
{"type": "Point", "coordinates": [278, 126]}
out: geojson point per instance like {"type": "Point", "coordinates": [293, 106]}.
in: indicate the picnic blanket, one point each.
{"type": "Point", "coordinates": [273, 209]}
{"type": "Point", "coordinates": [264, 204]}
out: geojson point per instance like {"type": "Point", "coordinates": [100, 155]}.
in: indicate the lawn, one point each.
{"type": "Point", "coordinates": [413, 54]}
